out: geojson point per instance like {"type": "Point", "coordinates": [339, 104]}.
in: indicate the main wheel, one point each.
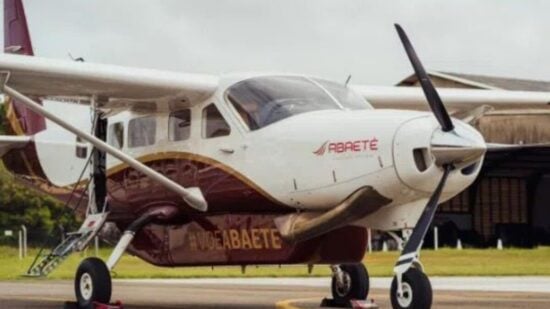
{"type": "Point", "coordinates": [355, 283]}
{"type": "Point", "coordinates": [417, 291]}
{"type": "Point", "coordinates": [92, 283]}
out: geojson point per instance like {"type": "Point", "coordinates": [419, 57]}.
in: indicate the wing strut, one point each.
{"type": "Point", "coordinates": [192, 196]}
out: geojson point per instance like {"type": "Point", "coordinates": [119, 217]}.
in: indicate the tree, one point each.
{"type": "Point", "coordinates": [41, 214]}
{"type": "Point", "coordinates": [19, 205]}
{"type": "Point", "coordinates": [2, 117]}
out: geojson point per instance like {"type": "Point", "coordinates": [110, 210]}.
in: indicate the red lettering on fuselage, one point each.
{"type": "Point", "coordinates": [354, 146]}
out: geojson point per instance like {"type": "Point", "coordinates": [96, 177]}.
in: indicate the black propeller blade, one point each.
{"type": "Point", "coordinates": [432, 96]}
{"type": "Point", "coordinates": [408, 255]}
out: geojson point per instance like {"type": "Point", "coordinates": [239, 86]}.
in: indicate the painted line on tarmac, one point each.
{"type": "Point", "coordinates": [30, 297]}
{"type": "Point", "coordinates": [290, 303]}
{"type": "Point", "coordinates": [528, 284]}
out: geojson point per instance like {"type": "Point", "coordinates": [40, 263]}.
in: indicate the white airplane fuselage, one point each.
{"type": "Point", "coordinates": [311, 161]}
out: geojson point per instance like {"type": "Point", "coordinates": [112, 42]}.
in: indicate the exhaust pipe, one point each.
{"type": "Point", "coordinates": [304, 226]}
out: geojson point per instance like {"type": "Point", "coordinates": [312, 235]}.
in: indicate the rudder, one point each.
{"type": "Point", "coordinates": [19, 119]}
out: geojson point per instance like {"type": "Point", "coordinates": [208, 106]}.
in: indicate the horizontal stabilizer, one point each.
{"type": "Point", "coordinates": [8, 142]}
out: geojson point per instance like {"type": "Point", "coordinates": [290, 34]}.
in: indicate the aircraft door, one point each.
{"type": "Point", "coordinates": [221, 153]}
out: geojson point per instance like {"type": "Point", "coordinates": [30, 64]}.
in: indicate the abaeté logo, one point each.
{"type": "Point", "coordinates": [352, 146]}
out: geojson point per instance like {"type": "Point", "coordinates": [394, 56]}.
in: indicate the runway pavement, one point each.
{"type": "Point", "coordinates": [282, 293]}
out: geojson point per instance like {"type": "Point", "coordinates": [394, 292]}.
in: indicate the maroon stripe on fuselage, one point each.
{"type": "Point", "coordinates": [243, 239]}
{"type": "Point", "coordinates": [131, 192]}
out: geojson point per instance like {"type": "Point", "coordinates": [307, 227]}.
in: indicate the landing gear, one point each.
{"type": "Point", "coordinates": [93, 278]}
{"type": "Point", "coordinates": [416, 291]}
{"type": "Point", "coordinates": [349, 282]}
{"type": "Point", "coordinates": [92, 283]}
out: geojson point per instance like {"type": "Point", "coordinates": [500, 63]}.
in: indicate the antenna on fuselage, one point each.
{"type": "Point", "coordinates": [79, 59]}
{"type": "Point", "coordinates": [347, 80]}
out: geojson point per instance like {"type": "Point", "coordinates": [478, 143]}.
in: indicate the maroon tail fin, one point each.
{"type": "Point", "coordinates": [18, 41]}
{"type": "Point", "coordinates": [20, 120]}
{"type": "Point", "coordinates": [16, 33]}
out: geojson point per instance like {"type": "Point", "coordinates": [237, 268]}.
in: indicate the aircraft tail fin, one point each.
{"type": "Point", "coordinates": [17, 39]}
{"type": "Point", "coordinates": [19, 120]}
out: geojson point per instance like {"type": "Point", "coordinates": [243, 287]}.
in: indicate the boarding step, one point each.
{"type": "Point", "coordinates": [75, 242]}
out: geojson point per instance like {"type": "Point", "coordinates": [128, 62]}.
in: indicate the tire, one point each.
{"type": "Point", "coordinates": [356, 286]}
{"type": "Point", "coordinates": [92, 283]}
{"type": "Point", "coordinates": [417, 291]}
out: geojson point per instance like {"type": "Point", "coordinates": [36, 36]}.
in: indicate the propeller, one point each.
{"type": "Point", "coordinates": [436, 105]}
{"type": "Point", "coordinates": [410, 251]}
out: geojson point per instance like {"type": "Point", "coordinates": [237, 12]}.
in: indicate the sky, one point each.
{"type": "Point", "coordinates": [326, 38]}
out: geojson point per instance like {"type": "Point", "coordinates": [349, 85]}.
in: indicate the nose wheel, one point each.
{"type": "Point", "coordinates": [92, 283]}
{"type": "Point", "coordinates": [349, 282]}
{"type": "Point", "coordinates": [416, 291]}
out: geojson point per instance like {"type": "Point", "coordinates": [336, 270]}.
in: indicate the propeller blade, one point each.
{"type": "Point", "coordinates": [409, 253]}
{"type": "Point", "coordinates": [436, 105]}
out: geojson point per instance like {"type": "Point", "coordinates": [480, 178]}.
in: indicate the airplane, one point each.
{"type": "Point", "coordinates": [239, 169]}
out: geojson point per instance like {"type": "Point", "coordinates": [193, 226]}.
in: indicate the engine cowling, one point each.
{"type": "Point", "coordinates": [420, 148]}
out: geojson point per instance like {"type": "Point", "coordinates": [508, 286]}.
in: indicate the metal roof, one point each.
{"type": "Point", "coordinates": [485, 81]}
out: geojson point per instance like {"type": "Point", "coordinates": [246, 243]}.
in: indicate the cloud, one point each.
{"type": "Point", "coordinates": [326, 38]}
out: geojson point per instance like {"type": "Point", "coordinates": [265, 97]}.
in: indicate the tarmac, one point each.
{"type": "Point", "coordinates": [280, 293]}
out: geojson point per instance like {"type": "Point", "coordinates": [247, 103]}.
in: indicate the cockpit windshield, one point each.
{"type": "Point", "coordinates": [262, 101]}
{"type": "Point", "coordinates": [348, 98]}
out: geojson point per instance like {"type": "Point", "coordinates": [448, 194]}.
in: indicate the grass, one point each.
{"type": "Point", "coordinates": [445, 262]}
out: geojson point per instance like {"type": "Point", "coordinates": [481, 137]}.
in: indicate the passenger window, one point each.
{"type": "Point", "coordinates": [179, 125]}
{"type": "Point", "coordinates": [215, 124]}
{"type": "Point", "coordinates": [142, 131]}
{"type": "Point", "coordinates": [116, 135]}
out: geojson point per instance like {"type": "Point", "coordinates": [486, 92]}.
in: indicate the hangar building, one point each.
{"type": "Point", "coordinates": [510, 199]}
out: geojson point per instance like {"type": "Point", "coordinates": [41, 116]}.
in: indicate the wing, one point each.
{"type": "Point", "coordinates": [115, 86]}
{"type": "Point", "coordinates": [413, 97]}
{"type": "Point", "coordinates": [8, 143]}
{"type": "Point", "coordinates": [25, 77]}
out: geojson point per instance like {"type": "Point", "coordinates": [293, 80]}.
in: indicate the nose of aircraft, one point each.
{"type": "Point", "coordinates": [459, 147]}
{"type": "Point", "coordinates": [421, 149]}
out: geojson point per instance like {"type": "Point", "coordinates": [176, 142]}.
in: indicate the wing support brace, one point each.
{"type": "Point", "coordinates": [192, 196]}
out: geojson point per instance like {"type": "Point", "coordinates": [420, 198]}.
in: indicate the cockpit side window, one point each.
{"type": "Point", "coordinates": [142, 131]}
{"type": "Point", "coordinates": [116, 135]}
{"type": "Point", "coordinates": [214, 125]}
